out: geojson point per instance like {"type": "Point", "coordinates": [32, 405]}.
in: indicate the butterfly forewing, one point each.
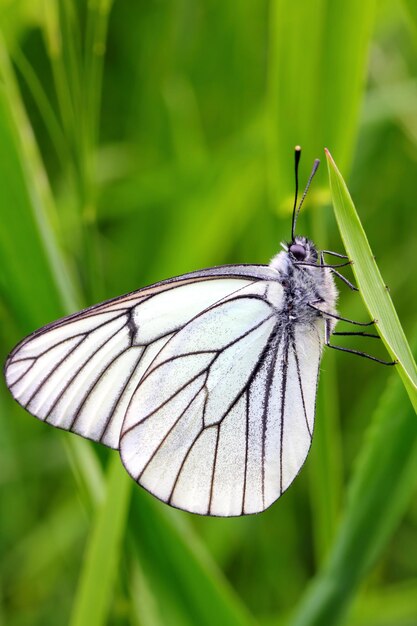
{"type": "Point", "coordinates": [80, 372]}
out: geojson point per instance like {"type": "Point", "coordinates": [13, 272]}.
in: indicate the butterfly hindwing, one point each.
{"type": "Point", "coordinates": [212, 428]}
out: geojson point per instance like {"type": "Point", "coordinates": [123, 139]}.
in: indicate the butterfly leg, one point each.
{"type": "Point", "coordinates": [334, 271]}
{"type": "Point", "coordinates": [345, 280]}
{"type": "Point", "coordinates": [339, 317]}
{"type": "Point", "coordinates": [357, 334]}
{"type": "Point", "coordinates": [340, 256]}
{"type": "Point", "coordinates": [327, 333]}
{"type": "Point", "coordinates": [322, 265]}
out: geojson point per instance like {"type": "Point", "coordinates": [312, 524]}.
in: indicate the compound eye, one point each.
{"type": "Point", "coordinates": [298, 251]}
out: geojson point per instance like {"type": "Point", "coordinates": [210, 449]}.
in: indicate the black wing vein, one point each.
{"type": "Point", "coordinates": [300, 382]}
{"type": "Point", "coordinates": [268, 383]}
{"type": "Point", "coordinates": [284, 370]}
{"type": "Point", "coordinates": [163, 440]}
{"type": "Point", "coordinates": [119, 398]}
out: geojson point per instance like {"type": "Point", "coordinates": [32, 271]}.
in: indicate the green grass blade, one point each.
{"type": "Point", "coordinates": [43, 104]}
{"type": "Point", "coordinates": [100, 566]}
{"type": "Point", "coordinates": [180, 568]}
{"type": "Point", "coordinates": [96, 39]}
{"type": "Point", "coordinates": [27, 206]}
{"type": "Point", "coordinates": [60, 71]}
{"type": "Point", "coordinates": [144, 602]}
{"type": "Point", "coordinates": [370, 282]}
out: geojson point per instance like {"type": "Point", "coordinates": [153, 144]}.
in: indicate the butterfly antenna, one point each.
{"type": "Point", "coordinates": [297, 157]}
{"type": "Point", "coordinates": [296, 210]}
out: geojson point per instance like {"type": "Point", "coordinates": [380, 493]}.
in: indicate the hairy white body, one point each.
{"type": "Point", "coordinates": [305, 285]}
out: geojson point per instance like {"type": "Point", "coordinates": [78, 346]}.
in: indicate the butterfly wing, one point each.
{"type": "Point", "coordinates": [221, 422]}
{"type": "Point", "coordinates": [80, 372]}
{"type": "Point", "coordinates": [213, 397]}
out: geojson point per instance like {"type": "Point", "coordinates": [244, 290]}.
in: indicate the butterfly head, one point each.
{"type": "Point", "coordinates": [302, 250]}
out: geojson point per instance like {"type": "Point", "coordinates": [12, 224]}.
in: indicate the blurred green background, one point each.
{"type": "Point", "coordinates": [140, 140]}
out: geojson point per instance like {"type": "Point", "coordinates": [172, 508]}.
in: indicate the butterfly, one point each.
{"type": "Point", "coordinates": [205, 383]}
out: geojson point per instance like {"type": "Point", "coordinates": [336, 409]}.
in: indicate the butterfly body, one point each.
{"type": "Point", "coordinates": [304, 285]}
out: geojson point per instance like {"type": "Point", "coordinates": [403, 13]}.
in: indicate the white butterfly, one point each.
{"type": "Point", "coordinates": [205, 383]}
